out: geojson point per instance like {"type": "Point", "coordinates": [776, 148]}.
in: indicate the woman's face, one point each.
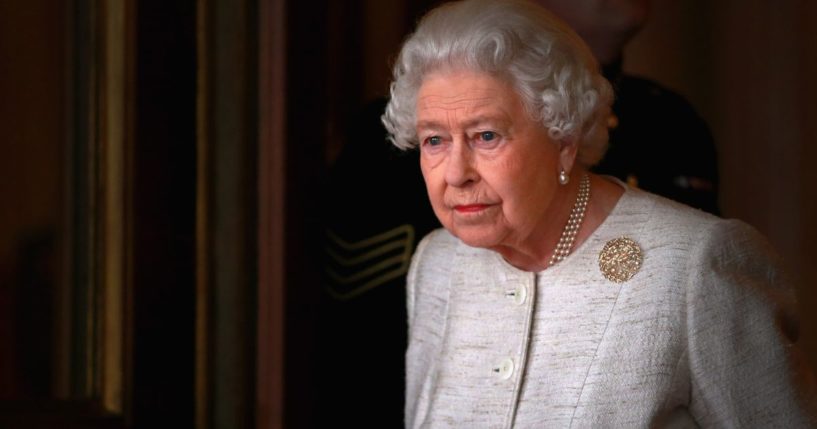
{"type": "Point", "coordinates": [491, 171]}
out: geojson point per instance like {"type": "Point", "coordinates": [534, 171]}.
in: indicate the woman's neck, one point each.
{"type": "Point", "coordinates": [536, 252]}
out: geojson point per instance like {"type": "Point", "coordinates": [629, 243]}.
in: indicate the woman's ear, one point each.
{"type": "Point", "coordinates": [568, 148]}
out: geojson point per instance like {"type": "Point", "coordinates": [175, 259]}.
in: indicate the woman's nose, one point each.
{"type": "Point", "coordinates": [460, 170]}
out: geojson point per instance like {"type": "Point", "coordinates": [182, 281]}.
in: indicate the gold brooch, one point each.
{"type": "Point", "coordinates": [620, 259]}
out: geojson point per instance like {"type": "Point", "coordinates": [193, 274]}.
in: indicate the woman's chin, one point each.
{"type": "Point", "coordinates": [476, 237]}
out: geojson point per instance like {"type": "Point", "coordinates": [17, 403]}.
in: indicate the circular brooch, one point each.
{"type": "Point", "coordinates": [620, 259]}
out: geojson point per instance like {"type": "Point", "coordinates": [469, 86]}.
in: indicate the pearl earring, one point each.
{"type": "Point", "coordinates": [563, 177]}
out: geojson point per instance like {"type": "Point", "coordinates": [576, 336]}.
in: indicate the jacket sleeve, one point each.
{"type": "Point", "coordinates": [425, 300]}
{"type": "Point", "coordinates": [745, 368]}
{"type": "Point", "coordinates": [411, 280]}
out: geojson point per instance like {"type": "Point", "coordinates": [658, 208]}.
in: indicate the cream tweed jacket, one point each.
{"type": "Point", "coordinates": [701, 336]}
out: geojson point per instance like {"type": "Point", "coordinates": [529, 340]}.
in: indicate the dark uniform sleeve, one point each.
{"type": "Point", "coordinates": [375, 212]}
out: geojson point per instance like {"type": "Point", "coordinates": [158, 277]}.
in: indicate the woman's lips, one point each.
{"type": "Point", "coordinates": [471, 208]}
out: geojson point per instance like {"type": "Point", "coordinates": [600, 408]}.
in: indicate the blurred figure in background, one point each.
{"type": "Point", "coordinates": [377, 211]}
{"type": "Point", "coordinates": [657, 140]}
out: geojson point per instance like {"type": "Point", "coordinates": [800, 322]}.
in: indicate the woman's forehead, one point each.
{"type": "Point", "coordinates": [456, 88]}
{"type": "Point", "coordinates": [468, 97]}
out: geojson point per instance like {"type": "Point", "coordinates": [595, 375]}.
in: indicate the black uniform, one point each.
{"type": "Point", "coordinates": [379, 210]}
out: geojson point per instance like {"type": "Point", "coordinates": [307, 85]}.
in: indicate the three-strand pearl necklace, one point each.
{"type": "Point", "coordinates": [574, 222]}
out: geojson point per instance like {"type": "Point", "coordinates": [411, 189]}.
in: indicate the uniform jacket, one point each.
{"type": "Point", "coordinates": [702, 335]}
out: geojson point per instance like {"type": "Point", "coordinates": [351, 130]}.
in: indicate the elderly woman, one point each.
{"type": "Point", "coordinates": [554, 297]}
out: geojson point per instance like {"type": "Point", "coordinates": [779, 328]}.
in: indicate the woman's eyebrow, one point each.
{"type": "Point", "coordinates": [428, 124]}
{"type": "Point", "coordinates": [496, 120]}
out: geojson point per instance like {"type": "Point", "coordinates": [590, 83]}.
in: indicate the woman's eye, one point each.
{"type": "Point", "coordinates": [487, 135]}
{"type": "Point", "coordinates": [434, 140]}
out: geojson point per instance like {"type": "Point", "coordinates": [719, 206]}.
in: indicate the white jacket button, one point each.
{"type": "Point", "coordinates": [504, 369]}
{"type": "Point", "coordinates": [518, 295]}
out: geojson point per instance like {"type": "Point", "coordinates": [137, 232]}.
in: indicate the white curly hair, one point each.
{"type": "Point", "coordinates": [552, 69]}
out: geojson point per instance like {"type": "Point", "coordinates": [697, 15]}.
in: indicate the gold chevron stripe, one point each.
{"type": "Point", "coordinates": [371, 284]}
{"type": "Point", "coordinates": [382, 267]}
{"type": "Point", "coordinates": [402, 229]}
{"type": "Point", "coordinates": [359, 275]}
{"type": "Point", "coordinates": [346, 262]}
